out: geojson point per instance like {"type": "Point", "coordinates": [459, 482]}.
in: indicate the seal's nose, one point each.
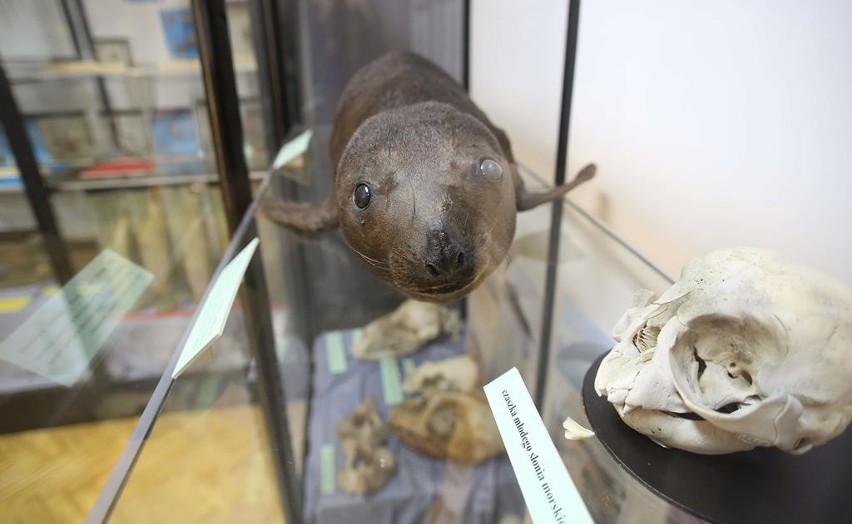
{"type": "Point", "coordinates": [444, 255]}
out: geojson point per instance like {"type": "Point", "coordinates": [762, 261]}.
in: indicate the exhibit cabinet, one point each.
{"type": "Point", "coordinates": [220, 458]}
{"type": "Point", "coordinates": [168, 353]}
{"type": "Point", "coordinates": [112, 100]}
{"type": "Point", "coordinates": [111, 226]}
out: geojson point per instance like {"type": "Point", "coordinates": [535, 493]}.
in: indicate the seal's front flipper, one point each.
{"type": "Point", "coordinates": [525, 200]}
{"type": "Point", "coordinates": [303, 216]}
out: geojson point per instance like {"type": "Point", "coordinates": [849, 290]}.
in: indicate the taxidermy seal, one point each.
{"type": "Point", "coordinates": [426, 187]}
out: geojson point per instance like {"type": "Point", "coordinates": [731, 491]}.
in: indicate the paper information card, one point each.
{"type": "Point", "coordinates": [210, 321]}
{"type": "Point", "coordinates": [548, 490]}
{"type": "Point", "coordinates": [62, 336]}
{"type": "Point", "coordinates": [292, 149]}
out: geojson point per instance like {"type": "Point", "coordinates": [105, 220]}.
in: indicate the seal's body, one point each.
{"type": "Point", "coordinates": [426, 188]}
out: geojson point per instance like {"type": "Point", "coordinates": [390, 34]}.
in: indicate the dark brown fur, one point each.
{"type": "Point", "coordinates": [435, 226]}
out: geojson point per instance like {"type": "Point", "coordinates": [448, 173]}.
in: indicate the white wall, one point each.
{"type": "Point", "coordinates": [713, 123]}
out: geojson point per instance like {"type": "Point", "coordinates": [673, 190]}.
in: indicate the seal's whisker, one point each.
{"type": "Point", "coordinates": [404, 256]}
{"type": "Point", "coordinates": [485, 235]}
{"type": "Point", "coordinates": [374, 262]}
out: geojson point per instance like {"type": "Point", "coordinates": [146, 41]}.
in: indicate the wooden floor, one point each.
{"type": "Point", "coordinates": [205, 466]}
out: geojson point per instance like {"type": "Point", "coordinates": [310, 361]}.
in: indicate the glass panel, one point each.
{"type": "Point", "coordinates": [117, 123]}
{"type": "Point", "coordinates": [419, 442]}
{"type": "Point", "coordinates": [598, 275]}
{"type": "Point", "coordinates": [77, 365]}
{"type": "Point", "coordinates": [418, 447]}
{"type": "Point", "coordinates": [291, 350]}
{"type": "Point", "coordinates": [133, 112]}
{"type": "Point", "coordinates": [338, 38]}
{"type": "Point", "coordinates": [207, 457]}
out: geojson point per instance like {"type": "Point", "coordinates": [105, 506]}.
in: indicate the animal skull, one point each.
{"type": "Point", "coordinates": [369, 464]}
{"type": "Point", "coordinates": [366, 469]}
{"type": "Point", "coordinates": [449, 424]}
{"type": "Point", "coordinates": [405, 330]}
{"type": "Point", "coordinates": [745, 350]}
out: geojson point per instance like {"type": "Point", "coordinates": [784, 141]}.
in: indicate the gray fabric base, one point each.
{"type": "Point", "coordinates": [464, 494]}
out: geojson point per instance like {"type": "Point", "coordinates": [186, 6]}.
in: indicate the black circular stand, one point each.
{"type": "Point", "coordinates": [762, 485]}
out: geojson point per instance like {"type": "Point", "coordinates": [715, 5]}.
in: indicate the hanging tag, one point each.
{"type": "Point", "coordinates": [548, 490]}
{"type": "Point", "coordinates": [210, 321]}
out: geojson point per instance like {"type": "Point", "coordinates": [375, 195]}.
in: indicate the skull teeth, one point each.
{"type": "Point", "coordinates": [646, 338]}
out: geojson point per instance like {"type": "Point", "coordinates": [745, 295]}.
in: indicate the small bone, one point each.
{"type": "Point", "coordinates": [574, 431]}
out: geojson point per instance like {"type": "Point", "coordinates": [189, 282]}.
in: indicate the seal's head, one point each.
{"type": "Point", "coordinates": [426, 197]}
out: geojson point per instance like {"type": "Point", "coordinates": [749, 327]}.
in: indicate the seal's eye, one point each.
{"type": "Point", "coordinates": [490, 169]}
{"type": "Point", "coordinates": [362, 195]}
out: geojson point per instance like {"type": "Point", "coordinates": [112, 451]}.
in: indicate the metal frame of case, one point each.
{"type": "Point", "coordinates": [277, 56]}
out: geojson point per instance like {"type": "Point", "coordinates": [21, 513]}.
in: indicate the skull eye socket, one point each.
{"type": "Point", "coordinates": [443, 421]}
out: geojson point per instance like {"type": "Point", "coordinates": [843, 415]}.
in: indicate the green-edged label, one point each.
{"type": "Point", "coordinates": [210, 320]}
{"type": "Point", "coordinates": [336, 353]}
{"type": "Point", "coordinates": [391, 385]}
{"type": "Point", "coordinates": [408, 365]}
{"type": "Point", "coordinates": [292, 149]}
{"type": "Point", "coordinates": [327, 469]}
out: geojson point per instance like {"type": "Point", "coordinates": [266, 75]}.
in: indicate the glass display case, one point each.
{"type": "Point", "coordinates": [320, 299]}
{"type": "Point", "coordinates": [117, 170]}
{"type": "Point", "coordinates": [168, 353]}
{"type": "Point", "coordinates": [113, 101]}
{"type": "Point", "coordinates": [111, 225]}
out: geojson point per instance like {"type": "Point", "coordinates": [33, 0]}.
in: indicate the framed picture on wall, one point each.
{"type": "Point", "coordinates": [202, 121]}
{"type": "Point", "coordinates": [35, 30]}
{"type": "Point", "coordinates": [61, 137]}
{"type": "Point", "coordinates": [179, 32]}
{"type": "Point", "coordinates": [174, 132]}
{"type": "Point", "coordinates": [113, 50]}
{"type": "Point", "coordinates": [254, 133]}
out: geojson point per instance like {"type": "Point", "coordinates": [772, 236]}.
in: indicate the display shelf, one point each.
{"type": "Point", "coordinates": [761, 485]}
{"type": "Point", "coordinates": [419, 480]}
{"type": "Point", "coordinates": [141, 181]}
{"type": "Point", "coordinates": [82, 69]}
{"type": "Point", "coordinates": [117, 182]}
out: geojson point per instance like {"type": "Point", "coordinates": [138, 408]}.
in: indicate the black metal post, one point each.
{"type": "Point", "coordinates": [275, 49]}
{"type": "Point", "coordinates": [226, 131]}
{"type": "Point", "coordinates": [37, 195]}
{"type": "Point", "coordinates": [220, 85]}
{"type": "Point", "coordinates": [465, 38]}
{"type": "Point", "coordinates": [276, 36]}
{"type": "Point", "coordinates": [556, 212]}
{"type": "Point", "coordinates": [81, 33]}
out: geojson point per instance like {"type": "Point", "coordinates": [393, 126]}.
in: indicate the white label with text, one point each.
{"type": "Point", "coordinates": [548, 490]}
